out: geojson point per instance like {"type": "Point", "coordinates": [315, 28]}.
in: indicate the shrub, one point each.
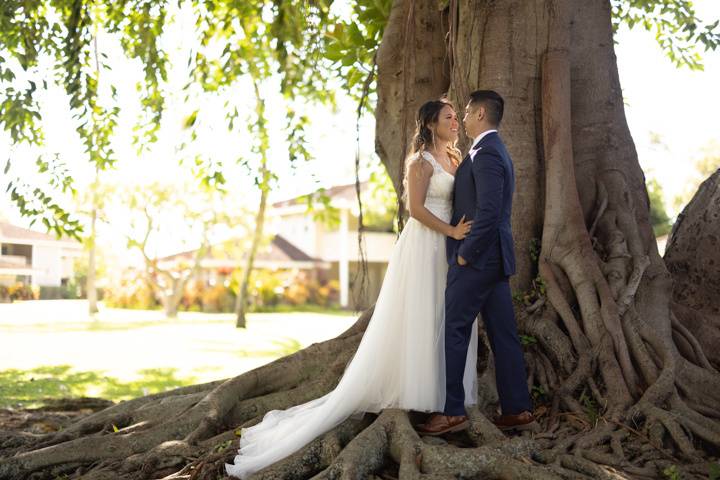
{"type": "Point", "coordinates": [54, 293]}
{"type": "Point", "coordinates": [218, 298]}
{"type": "Point", "coordinates": [266, 288]}
{"type": "Point", "coordinates": [20, 291]}
{"type": "Point", "coordinates": [296, 294]}
{"type": "Point", "coordinates": [326, 294]}
{"type": "Point", "coordinates": [133, 292]}
{"type": "Point", "coordinates": [4, 294]}
{"type": "Point", "coordinates": [192, 296]}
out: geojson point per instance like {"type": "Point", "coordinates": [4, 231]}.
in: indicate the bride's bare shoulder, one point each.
{"type": "Point", "coordinates": [420, 162]}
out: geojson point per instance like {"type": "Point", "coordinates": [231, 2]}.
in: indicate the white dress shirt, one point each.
{"type": "Point", "coordinates": [477, 140]}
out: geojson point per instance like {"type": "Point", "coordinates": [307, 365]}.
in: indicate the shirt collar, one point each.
{"type": "Point", "coordinates": [480, 137]}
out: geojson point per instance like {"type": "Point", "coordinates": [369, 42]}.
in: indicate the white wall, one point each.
{"type": "Point", "coordinates": [68, 255]}
{"type": "Point", "coordinates": [378, 246]}
{"type": "Point", "coordinates": [48, 264]}
{"type": "Point", "coordinates": [299, 229]}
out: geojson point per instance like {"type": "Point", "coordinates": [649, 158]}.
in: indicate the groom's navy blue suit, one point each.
{"type": "Point", "coordinates": [484, 184]}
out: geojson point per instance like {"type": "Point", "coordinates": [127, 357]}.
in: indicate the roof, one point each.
{"type": "Point", "coordinates": [9, 233]}
{"type": "Point", "coordinates": [279, 250]}
{"type": "Point", "coordinates": [346, 192]}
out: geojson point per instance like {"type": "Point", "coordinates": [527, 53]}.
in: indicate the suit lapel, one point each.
{"type": "Point", "coordinates": [484, 141]}
{"type": "Point", "coordinates": [465, 161]}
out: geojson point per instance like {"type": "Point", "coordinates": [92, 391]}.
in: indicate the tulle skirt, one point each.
{"type": "Point", "coordinates": [400, 362]}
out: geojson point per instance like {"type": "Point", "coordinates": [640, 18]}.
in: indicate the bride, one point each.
{"type": "Point", "coordinates": [400, 362]}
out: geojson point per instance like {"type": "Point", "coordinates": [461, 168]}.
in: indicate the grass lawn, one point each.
{"type": "Point", "coordinates": [53, 349]}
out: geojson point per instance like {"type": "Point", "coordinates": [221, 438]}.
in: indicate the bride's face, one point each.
{"type": "Point", "coordinates": [446, 128]}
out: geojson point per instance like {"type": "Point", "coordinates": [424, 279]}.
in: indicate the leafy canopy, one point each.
{"type": "Point", "coordinates": [312, 47]}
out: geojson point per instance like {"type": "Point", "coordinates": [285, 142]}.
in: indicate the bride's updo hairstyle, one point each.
{"type": "Point", "coordinates": [424, 137]}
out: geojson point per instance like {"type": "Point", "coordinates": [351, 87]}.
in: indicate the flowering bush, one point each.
{"type": "Point", "coordinates": [217, 298]}
{"type": "Point", "coordinates": [133, 292]}
{"type": "Point", "coordinates": [18, 291]}
{"type": "Point", "coordinates": [296, 294]}
{"type": "Point", "coordinates": [326, 294]}
{"type": "Point", "coordinates": [192, 296]}
{"type": "Point", "coordinates": [267, 289]}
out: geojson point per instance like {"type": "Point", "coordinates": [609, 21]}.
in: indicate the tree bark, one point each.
{"type": "Point", "coordinates": [412, 66]}
{"type": "Point", "coordinates": [693, 258]}
{"type": "Point", "coordinates": [242, 303]}
{"type": "Point", "coordinates": [263, 182]}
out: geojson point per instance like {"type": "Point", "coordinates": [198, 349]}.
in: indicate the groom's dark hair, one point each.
{"type": "Point", "coordinates": [493, 103]}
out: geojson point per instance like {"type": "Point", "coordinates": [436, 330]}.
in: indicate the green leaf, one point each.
{"type": "Point", "coordinates": [190, 120]}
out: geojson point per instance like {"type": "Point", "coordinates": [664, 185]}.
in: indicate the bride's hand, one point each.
{"type": "Point", "coordinates": [460, 231]}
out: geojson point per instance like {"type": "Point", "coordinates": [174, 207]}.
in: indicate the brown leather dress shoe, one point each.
{"type": "Point", "coordinates": [439, 424]}
{"type": "Point", "coordinates": [522, 421]}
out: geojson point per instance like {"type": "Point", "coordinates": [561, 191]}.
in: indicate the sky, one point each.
{"type": "Point", "coordinates": [678, 107]}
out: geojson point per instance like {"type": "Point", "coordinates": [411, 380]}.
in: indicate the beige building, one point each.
{"type": "Point", "coordinates": [301, 241]}
{"type": "Point", "coordinates": [336, 243]}
{"type": "Point", "coordinates": [35, 258]}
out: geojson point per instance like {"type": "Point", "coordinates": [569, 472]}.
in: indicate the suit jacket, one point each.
{"type": "Point", "coordinates": [484, 185]}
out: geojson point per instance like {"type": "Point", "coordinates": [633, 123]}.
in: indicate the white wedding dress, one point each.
{"type": "Point", "coordinates": [400, 362]}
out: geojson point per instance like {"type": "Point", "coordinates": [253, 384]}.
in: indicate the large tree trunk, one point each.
{"type": "Point", "coordinates": [693, 258]}
{"type": "Point", "coordinates": [621, 386]}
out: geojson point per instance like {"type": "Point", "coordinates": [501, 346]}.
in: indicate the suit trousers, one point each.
{"type": "Point", "coordinates": [485, 291]}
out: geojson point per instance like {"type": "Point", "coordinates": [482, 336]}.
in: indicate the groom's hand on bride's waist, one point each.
{"type": "Point", "coordinates": [461, 261]}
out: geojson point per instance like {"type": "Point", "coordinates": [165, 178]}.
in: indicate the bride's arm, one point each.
{"type": "Point", "coordinates": [418, 180]}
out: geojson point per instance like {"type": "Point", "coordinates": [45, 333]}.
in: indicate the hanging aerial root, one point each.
{"type": "Point", "coordinates": [698, 355]}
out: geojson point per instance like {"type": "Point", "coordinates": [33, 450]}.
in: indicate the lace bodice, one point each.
{"type": "Point", "coordinates": [439, 193]}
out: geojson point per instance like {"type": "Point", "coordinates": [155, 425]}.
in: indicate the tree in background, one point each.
{"type": "Point", "coordinates": [380, 201]}
{"type": "Point", "coordinates": [703, 167]}
{"type": "Point", "coordinates": [193, 215]}
{"type": "Point", "coordinates": [265, 42]}
{"type": "Point", "coordinates": [91, 204]}
{"type": "Point", "coordinates": [659, 219]}
{"type": "Point", "coordinates": [261, 44]}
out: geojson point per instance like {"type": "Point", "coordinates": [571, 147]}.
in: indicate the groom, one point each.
{"type": "Point", "coordinates": [480, 266]}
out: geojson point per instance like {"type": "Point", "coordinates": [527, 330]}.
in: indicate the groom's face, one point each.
{"type": "Point", "coordinates": [472, 120]}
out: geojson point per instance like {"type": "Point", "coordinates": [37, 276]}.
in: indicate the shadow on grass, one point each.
{"type": "Point", "coordinates": [28, 388]}
{"type": "Point", "coordinates": [90, 326]}
{"type": "Point", "coordinates": [285, 347]}
{"type": "Point", "coordinates": [281, 348]}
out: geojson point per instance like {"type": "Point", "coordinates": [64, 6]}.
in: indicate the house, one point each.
{"type": "Point", "coordinates": [35, 258]}
{"type": "Point", "coordinates": [336, 243]}
{"type": "Point", "coordinates": [222, 258]}
{"type": "Point", "coordinates": [305, 241]}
